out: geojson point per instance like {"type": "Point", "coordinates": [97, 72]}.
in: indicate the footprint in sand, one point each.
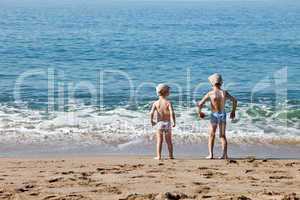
{"type": "Point", "coordinates": [206, 197]}
{"type": "Point", "coordinates": [280, 177]}
{"type": "Point", "coordinates": [207, 168]}
{"type": "Point", "coordinates": [154, 171]}
{"type": "Point", "coordinates": [173, 196]}
{"type": "Point", "coordinates": [275, 171]}
{"type": "Point", "coordinates": [231, 162]}
{"type": "Point", "coordinates": [72, 179]}
{"type": "Point", "coordinates": [242, 198]}
{"type": "Point", "coordinates": [271, 193]}
{"type": "Point", "coordinates": [248, 171]}
{"type": "Point", "coordinates": [203, 168]}
{"type": "Point", "coordinates": [292, 196]}
{"type": "Point", "coordinates": [180, 185]}
{"type": "Point", "coordinates": [139, 197]}
{"type": "Point", "coordinates": [55, 179]}
{"type": "Point", "coordinates": [114, 170]}
{"type": "Point", "coordinates": [5, 194]}
{"type": "Point", "coordinates": [67, 173]}
{"type": "Point", "coordinates": [22, 189]}
{"type": "Point", "coordinates": [202, 190]}
{"type": "Point", "coordinates": [207, 174]}
{"type": "Point", "coordinates": [198, 183]}
{"type": "Point", "coordinates": [99, 169]}
{"type": "Point", "coordinates": [49, 197]}
{"type": "Point", "coordinates": [252, 178]}
{"type": "Point", "coordinates": [292, 164]}
{"type": "Point", "coordinates": [107, 189]}
{"type": "Point", "coordinates": [34, 194]}
{"type": "Point", "coordinates": [65, 197]}
{"type": "Point", "coordinates": [138, 166]}
{"type": "Point", "coordinates": [85, 175]}
{"type": "Point", "coordinates": [142, 176]}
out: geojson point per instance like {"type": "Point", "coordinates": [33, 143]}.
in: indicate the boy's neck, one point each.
{"type": "Point", "coordinates": [216, 87]}
{"type": "Point", "coordinates": [162, 97]}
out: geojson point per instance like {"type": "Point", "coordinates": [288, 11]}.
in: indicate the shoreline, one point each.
{"type": "Point", "coordinates": [193, 151]}
{"type": "Point", "coordinates": [143, 178]}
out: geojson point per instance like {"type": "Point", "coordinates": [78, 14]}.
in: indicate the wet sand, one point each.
{"type": "Point", "coordinates": [140, 177]}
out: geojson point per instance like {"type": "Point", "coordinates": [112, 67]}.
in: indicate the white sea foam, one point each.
{"type": "Point", "coordinates": [121, 127]}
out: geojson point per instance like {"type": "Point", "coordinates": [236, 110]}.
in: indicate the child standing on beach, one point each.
{"type": "Point", "coordinates": [165, 119]}
{"type": "Point", "coordinates": [217, 98]}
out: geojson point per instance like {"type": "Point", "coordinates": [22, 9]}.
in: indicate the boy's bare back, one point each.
{"type": "Point", "coordinates": [217, 98]}
{"type": "Point", "coordinates": [163, 109]}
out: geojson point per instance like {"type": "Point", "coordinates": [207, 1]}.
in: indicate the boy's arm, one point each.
{"type": "Point", "coordinates": [234, 104]}
{"type": "Point", "coordinates": [172, 113]}
{"type": "Point", "coordinates": [153, 108]}
{"type": "Point", "coordinates": [201, 104]}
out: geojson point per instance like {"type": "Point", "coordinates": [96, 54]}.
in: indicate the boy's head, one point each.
{"type": "Point", "coordinates": [216, 80]}
{"type": "Point", "coordinates": [162, 90]}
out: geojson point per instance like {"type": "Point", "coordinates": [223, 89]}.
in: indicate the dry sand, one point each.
{"type": "Point", "coordinates": [138, 178]}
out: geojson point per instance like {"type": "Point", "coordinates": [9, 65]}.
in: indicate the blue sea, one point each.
{"type": "Point", "coordinates": [77, 74]}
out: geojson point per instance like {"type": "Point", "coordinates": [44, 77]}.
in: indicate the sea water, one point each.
{"type": "Point", "coordinates": [83, 73]}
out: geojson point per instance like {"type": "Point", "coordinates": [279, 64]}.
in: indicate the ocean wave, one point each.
{"type": "Point", "coordinates": [122, 127]}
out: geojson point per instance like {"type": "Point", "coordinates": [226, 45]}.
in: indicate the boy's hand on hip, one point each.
{"type": "Point", "coordinates": [174, 124]}
{"type": "Point", "coordinates": [232, 115]}
{"type": "Point", "coordinates": [201, 115]}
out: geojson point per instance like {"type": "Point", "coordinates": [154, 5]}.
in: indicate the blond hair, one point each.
{"type": "Point", "coordinates": [162, 89]}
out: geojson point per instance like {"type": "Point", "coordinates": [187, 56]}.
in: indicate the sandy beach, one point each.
{"type": "Point", "coordinates": [138, 178]}
{"type": "Point", "coordinates": [90, 90]}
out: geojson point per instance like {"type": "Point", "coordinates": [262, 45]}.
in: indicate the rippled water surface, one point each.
{"type": "Point", "coordinates": [98, 64]}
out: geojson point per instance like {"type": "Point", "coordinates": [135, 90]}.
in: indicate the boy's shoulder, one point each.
{"type": "Point", "coordinates": [156, 102]}
{"type": "Point", "coordinates": [166, 101]}
{"type": "Point", "coordinates": [213, 92]}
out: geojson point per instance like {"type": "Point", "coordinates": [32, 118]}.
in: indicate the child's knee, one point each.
{"type": "Point", "coordinates": [223, 136]}
{"type": "Point", "coordinates": [212, 134]}
{"type": "Point", "coordinates": [168, 139]}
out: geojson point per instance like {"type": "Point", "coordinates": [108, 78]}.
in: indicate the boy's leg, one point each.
{"type": "Point", "coordinates": [211, 140]}
{"type": "Point", "coordinates": [159, 139]}
{"type": "Point", "coordinates": [222, 127]}
{"type": "Point", "coordinates": [168, 137]}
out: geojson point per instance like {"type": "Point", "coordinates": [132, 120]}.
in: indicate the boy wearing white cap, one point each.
{"type": "Point", "coordinates": [217, 98]}
{"type": "Point", "coordinates": [165, 119]}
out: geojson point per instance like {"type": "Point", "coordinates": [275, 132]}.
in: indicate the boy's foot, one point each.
{"type": "Point", "coordinates": [171, 158]}
{"type": "Point", "coordinates": [157, 158]}
{"type": "Point", "coordinates": [209, 157]}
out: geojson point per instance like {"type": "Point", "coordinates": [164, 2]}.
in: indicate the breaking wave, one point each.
{"type": "Point", "coordinates": [122, 127]}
